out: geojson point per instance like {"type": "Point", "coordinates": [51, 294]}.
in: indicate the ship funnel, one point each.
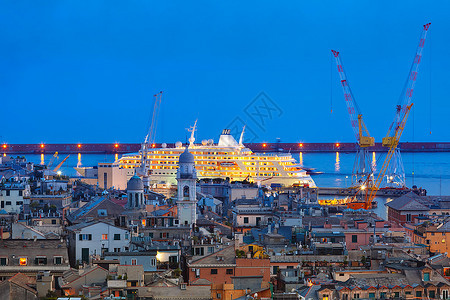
{"type": "Point", "coordinates": [226, 139]}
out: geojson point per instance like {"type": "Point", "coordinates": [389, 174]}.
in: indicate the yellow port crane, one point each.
{"type": "Point", "coordinates": [50, 163]}
{"type": "Point", "coordinates": [60, 164]}
{"type": "Point", "coordinates": [149, 142]}
{"type": "Point", "coordinates": [362, 167]}
{"type": "Point", "coordinates": [395, 174]}
{"type": "Point", "coordinates": [392, 139]}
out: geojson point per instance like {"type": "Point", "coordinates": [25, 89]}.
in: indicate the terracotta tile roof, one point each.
{"type": "Point", "coordinates": [24, 281]}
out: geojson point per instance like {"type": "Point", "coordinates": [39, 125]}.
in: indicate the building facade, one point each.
{"type": "Point", "coordinates": [13, 196]}
{"type": "Point", "coordinates": [94, 239]}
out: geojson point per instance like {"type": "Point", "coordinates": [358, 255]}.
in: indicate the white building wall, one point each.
{"type": "Point", "coordinates": [13, 202]}
{"type": "Point", "coordinates": [97, 243]}
{"type": "Point", "coordinates": [186, 212]}
{"type": "Point", "coordinates": [115, 176]}
{"type": "Point", "coordinates": [239, 220]}
{"type": "Point", "coordinates": [239, 193]}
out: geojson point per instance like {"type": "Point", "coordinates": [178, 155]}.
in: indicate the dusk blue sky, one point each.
{"type": "Point", "coordinates": [85, 71]}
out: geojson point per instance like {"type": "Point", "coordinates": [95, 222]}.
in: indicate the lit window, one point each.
{"type": "Point", "coordinates": [104, 236]}
{"type": "Point", "coordinates": [23, 261]}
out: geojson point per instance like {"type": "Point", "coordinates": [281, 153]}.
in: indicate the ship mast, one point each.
{"type": "Point", "coordinates": [192, 130]}
{"type": "Point", "coordinates": [242, 137]}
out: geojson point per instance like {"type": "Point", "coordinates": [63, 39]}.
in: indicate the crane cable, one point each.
{"type": "Point", "coordinates": [331, 82]}
{"type": "Point", "coordinates": [430, 79]}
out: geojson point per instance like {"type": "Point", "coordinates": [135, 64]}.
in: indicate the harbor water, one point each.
{"type": "Point", "coordinates": [427, 170]}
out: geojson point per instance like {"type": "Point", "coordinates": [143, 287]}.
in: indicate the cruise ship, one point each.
{"type": "Point", "coordinates": [226, 159]}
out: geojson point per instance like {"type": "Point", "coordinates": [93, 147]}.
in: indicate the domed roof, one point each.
{"type": "Point", "coordinates": [186, 157]}
{"type": "Point", "coordinates": [135, 183]}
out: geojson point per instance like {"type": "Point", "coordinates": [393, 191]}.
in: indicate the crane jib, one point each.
{"type": "Point", "coordinates": [406, 98]}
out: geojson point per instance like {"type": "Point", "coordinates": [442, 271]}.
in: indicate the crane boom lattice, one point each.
{"type": "Point", "coordinates": [395, 175]}
{"type": "Point", "coordinates": [362, 167]}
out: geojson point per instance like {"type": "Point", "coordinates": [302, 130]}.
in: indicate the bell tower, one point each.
{"type": "Point", "coordinates": [187, 184]}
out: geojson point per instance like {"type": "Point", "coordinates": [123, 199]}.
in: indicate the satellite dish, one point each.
{"type": "Point", "coordinates": [210, 141]}
{"type": "Point", "coordinates": [205, 142]}
{"type": "Point", "coordinates": [164, 145]}
{"type": "Point", "coordinates": [178, 144]}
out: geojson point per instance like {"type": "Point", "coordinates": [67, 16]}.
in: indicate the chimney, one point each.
{"type": "Point", "coordinates": [362, 225]}
{"type": "Point", "coordinates": [379, 223]}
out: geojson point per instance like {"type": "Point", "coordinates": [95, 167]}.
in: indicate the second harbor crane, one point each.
{"type": "Point", "coordinates": [362, 167]}
{"type": "Point", "coordinates": [144, 169]}
{"type": "Point", "coordinates": [395, 173]}
{"type": "Point", "coordinates": [395, 131]}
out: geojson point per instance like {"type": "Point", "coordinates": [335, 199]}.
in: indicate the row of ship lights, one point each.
{"type": "Point", "coordinates": [116, 145]}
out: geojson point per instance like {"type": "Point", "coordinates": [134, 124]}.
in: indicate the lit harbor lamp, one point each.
{"type": "Point", "coordinates": [59, 173]}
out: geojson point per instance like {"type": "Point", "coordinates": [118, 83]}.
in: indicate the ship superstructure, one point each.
{"type": "Point", "coordinates": [226, 159]}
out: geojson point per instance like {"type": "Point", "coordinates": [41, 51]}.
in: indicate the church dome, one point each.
{"type": "Point", "coordinates": [186, 157]}
{"type": "Point", "coordinates": [135, 183]}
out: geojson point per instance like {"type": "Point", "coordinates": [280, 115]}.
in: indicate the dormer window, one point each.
{"type": "Point", "coordinates": [40, 260]}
